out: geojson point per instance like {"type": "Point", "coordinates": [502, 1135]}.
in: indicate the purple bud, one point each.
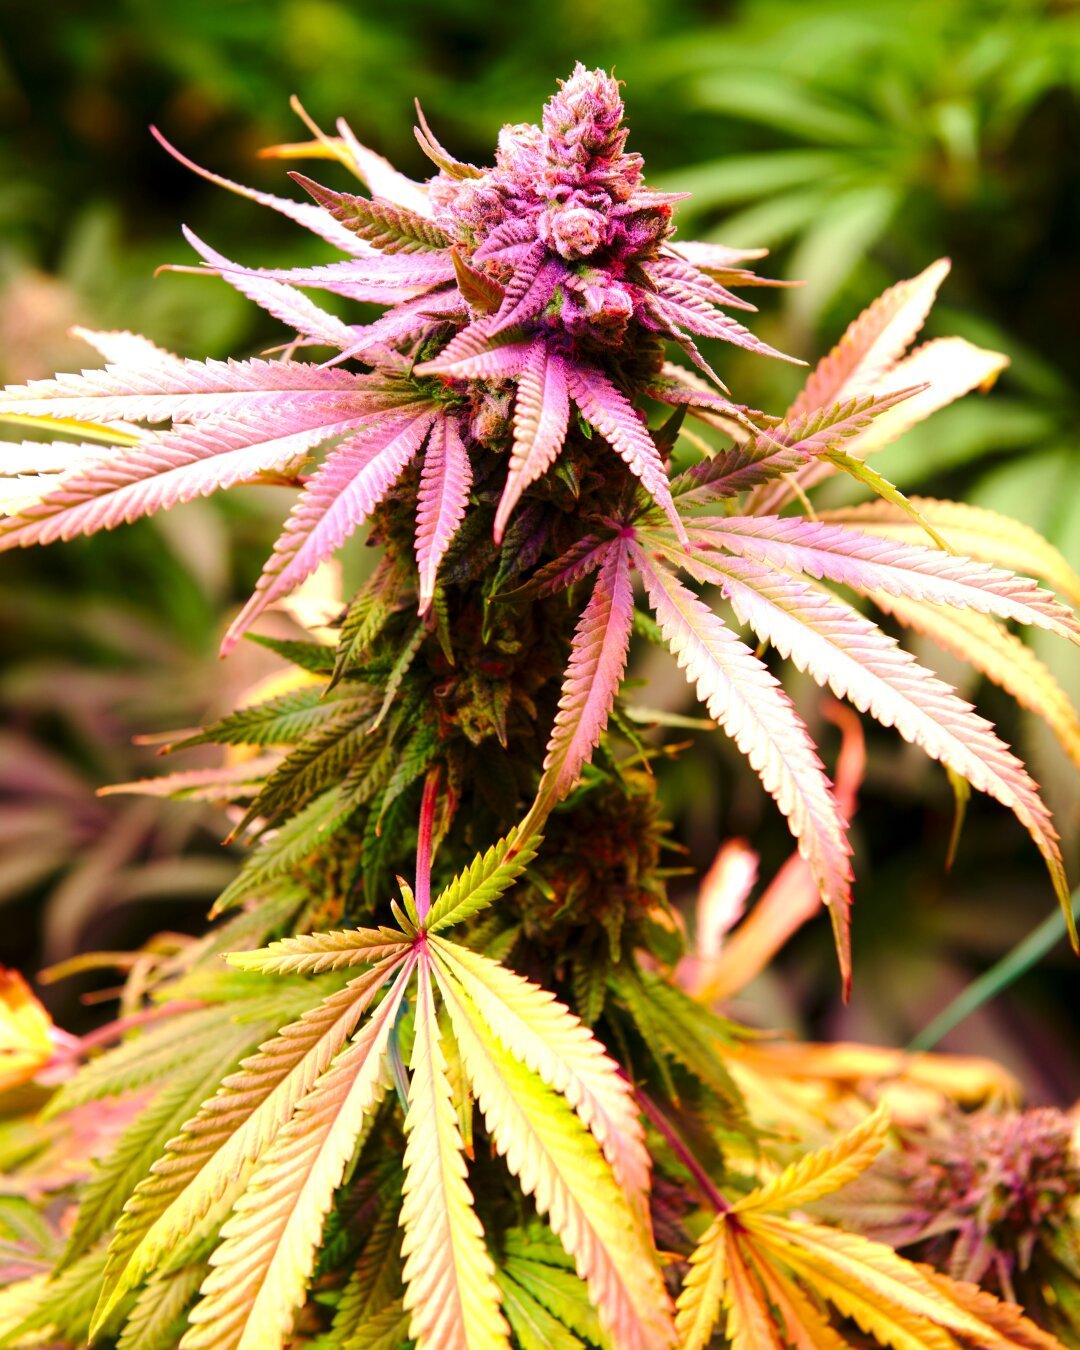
{"type": "Point", "coordinates": [574, 233]}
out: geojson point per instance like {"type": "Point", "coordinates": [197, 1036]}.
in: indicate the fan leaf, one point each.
{"type": "Point", "coordinates": [449, 1276]}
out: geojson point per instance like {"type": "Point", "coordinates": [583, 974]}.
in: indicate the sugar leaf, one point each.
{"type": "Point", "coordinates": [445, 479]}
{"type": "Point", "coordinates": [385, 225]}
{"type": "Point", "coordinates": [614, 416]}
{"type": "Point", "coordinates": [541, 416]}
{"type": "Point", "coordinates": [595, 670]}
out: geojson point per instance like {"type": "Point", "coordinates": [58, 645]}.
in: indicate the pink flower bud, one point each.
{"type": "Point", "coordinates": [575, 232]}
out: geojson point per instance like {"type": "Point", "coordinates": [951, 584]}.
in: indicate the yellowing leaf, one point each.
{"type": "Point", "coordinates": [823, 1171]}
{"type": "Point", "coordinates": [26, 1042]}
{"type": "Point", "coordinates": [71, 426]}
{"type": "Point", "coordinates": [854, 1260]}
{"type": "Point", "coordinates": [262, 1267]}
{"type": "Point", "coordinates": [751, 1264]}
{"type": "Point", "coordinates": [806, 1326]}
{"type": "Point", "coordinates": [874, 1314]}
{"type": "Point", "coordinates": [873, 342]}
{"type": "Point", "coordinates": [559, 1163]}
{"type": "Point", "coordinates": [230, 1131]}
{"type": "Point", "coordinates": [974, 532]}
{"type": "Point", "coordinates": [449, 1276]}
{"type": "Point", "coordinates": [999, 655]}
{"type": "Point", "coordinates": [750, 1325]}
{"type": "Point", "coordinates": [556, 1045]}
{"type": "Point", "coordinates": [699, 1304]}
{"type": "Point", "coordinates": [950, 367]}
{"type": "Point", "coordinates": [1005, 1318]}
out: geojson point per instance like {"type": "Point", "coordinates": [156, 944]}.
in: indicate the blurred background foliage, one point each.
{"type": "Point", "coordinates": [858, 142]}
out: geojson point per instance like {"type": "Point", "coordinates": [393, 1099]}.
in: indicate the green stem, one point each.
{"type": "Point", "coordinates": [994, 981]}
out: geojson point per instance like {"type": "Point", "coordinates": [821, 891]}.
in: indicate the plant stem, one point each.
{"type": "Point", "coordinates": [423, 842]}
{"type": "Point", "coordinates": [1038, 943]}
{"type": "Point", "coordinates": [681, 1150]}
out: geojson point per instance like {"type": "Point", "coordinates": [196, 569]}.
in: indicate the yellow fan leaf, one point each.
{"type": "Point", "coordinates": [449, 1276]}
{"type": "Point", "coordinates": [806, 1327]}
{"type": "Point", "coordinates": [701, 1298]}
{"type": "Point", "coordinates": [999, 655]}
{"type": "Point", "coordinates": [950, 368]}
{"type": "Point", "coordinates": [559, 1163]}
{"type": "Point", "coordinates": [889, 492]}
{"type": "Point", "coordinates": [858, 1265]}
{"type": "Point", "coordinates": [229, 1132]}
{"type": "Point", "coordinates": [1013, 1328]}
{"type": "Point", "coordinates": [873, 342]}
{"type": "Point", "coordinates": [887, 1323]}
{"type": "Point", "coordinates": [974, 532]}
{"type": "Point", "coordinates": [750, 1324]}
{"type": "Point", "coordinates": [26, 1031]}
{"type": "Point", "coordinates": [555, 1044]}
{"type": "Point", "coordinates": [262, 1267]}
{"type": "Point", "coordinates": [70, 426]}
{"type": "Point", "coordinates": [823, 1171]}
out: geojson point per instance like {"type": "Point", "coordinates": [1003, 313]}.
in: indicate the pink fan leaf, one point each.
{"type": "Point", "coordinates": [854, 658]}
{"type": "Point", "coordinates": [303, 213]}
{"type": "Point", "coordinates": [868, 563]}
{"type": "Point", "coordinates": [748, 702]}
{"type": "Point", "coordinates": [613, 415]}
{"type": "Point", "coordinates": [475, 354]}
{"type": "Point", "coordinates": [283, 302]}
{"type": "Point", "coordinates": [873, 342]}
{"type": "Point", "coordinates": [782, 449]}
{"type": "Point", "coordinates": [409, 322]}
{"type": "Point", "coordinates": [595, 671]}
{"type": "Point", "coordinates": [334, 503]}
{"type": "Point", "coordinates": [380, 177]}
{"type": "Point", "coordinates": [374, 277]}
{"type": "Point", "coordinates": [187, 389]}
{"type": "Point", "coordinates": [445, 480]}
{"type": "Point", "coordinates": [169, 467]}
{"type": "Point", "coordinates": [529, 290]}
{"type": "Point", "coordinates": [20, 459]}
{"type": "Point", "coordinates": [715, 257]}
{"type": "Point", "coordinates": [126, 349]}
{"type": "Point", "coordinates": [541, 417]}
{"type": "Point", "coordinates": [676, 280]}
{"type": "Point", "coordinates": [698, 316]}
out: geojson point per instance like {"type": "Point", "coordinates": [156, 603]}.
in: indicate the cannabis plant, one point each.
{"type": "Point", "coordinates": [473, 1106]}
